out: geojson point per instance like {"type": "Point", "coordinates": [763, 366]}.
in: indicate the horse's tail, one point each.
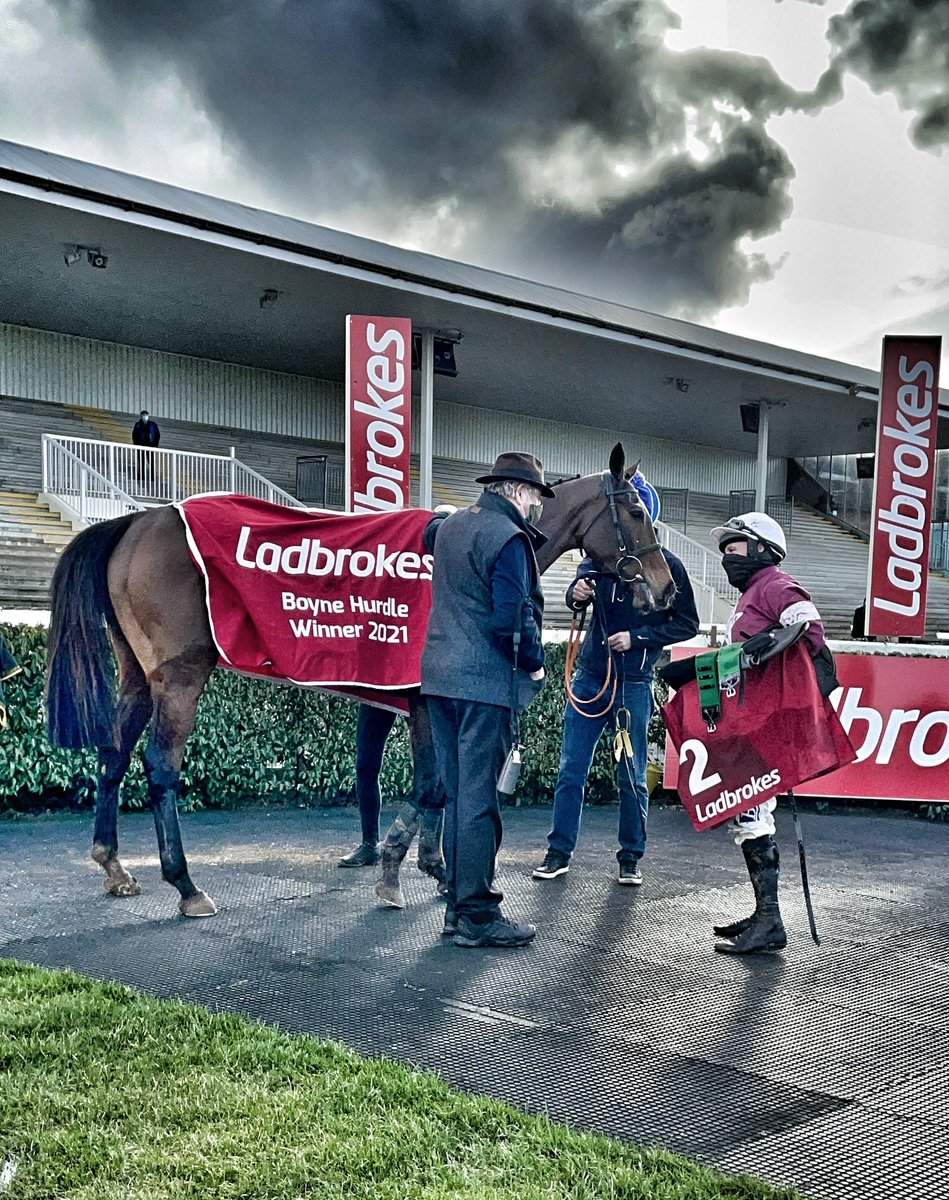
{"type": "Point", "coordinates": [80, 675]}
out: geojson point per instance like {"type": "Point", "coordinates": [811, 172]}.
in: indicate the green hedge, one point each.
{"type": "Point", "coordinates": [257, 741]}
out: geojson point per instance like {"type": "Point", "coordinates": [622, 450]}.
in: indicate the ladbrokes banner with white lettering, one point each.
{"type": "Point", "coordinates": [895, 709]}
{"type": "Point", "coordinates": [772, 735]}
{"type": "Point", "coordinates": [319, 599]}
{"type": "Point", "coordinates": [904, 481]}
{"type": "Point", "coordinates": [378, 412]}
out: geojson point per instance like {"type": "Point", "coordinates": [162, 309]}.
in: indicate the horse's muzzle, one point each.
{"type": "Point", "coordinates": [645, 598]}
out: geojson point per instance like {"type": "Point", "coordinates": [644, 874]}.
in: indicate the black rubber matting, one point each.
{"type": "Point", "coordinates": [824, 1067]}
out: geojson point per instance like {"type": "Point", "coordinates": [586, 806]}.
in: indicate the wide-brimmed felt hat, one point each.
{"type": "Point", "coordinates": [519, 468]}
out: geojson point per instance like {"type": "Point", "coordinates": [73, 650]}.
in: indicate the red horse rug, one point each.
{"type": "Point", "coordinates": [319, 599]}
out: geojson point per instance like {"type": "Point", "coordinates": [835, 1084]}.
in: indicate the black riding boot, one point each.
{"type": "Point", "coordinates": [430, 859]}
{"type": "Point", "coordinates": [736, 928]}
{"type": "Point", "coordinates": [764, 929]}
{"type": "Point", "coordinates": [394, 849]}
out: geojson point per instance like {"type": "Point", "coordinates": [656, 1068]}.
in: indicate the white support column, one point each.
{"type": "Point", "coordinates": [427, 366]}
{"type": "Point", "coordinates": [761, 487]}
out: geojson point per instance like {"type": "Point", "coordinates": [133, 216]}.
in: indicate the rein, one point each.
{"type": "Point", "coordinates": [574, 642]}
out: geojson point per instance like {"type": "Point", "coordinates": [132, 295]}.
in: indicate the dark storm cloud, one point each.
{"type": "Point", "coordinates": [482, 108]}
{"type": "Point", "coordinates": [674, 242]}
{"type": "Point", "coordinates": [901, 46]}
{"type": "Point", "coordinates": [400, 96]}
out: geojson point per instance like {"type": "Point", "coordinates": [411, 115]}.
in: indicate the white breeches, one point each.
{"type": "Point", "coordinates": [754, 823]}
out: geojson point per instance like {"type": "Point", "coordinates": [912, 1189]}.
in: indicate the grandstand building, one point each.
{"type": "Point", "coordinates": [227, 323]}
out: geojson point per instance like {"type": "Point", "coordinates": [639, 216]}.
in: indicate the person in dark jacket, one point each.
{"type": "Point", "coordinates": [145, 431]}
{"type": "Point", "coordinates": [9, 667]}
{"type": "Point", "coordinates": [634, 640]}
{"type": "Point", "coordinates": [483, 662]}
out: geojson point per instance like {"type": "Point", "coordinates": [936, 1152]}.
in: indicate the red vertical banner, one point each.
{"type": "Point", "coordinates": [905, 476]}
{"type": "Point", "coordinates": [378, 413]}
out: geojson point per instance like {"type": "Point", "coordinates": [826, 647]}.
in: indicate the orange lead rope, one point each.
{"type": "Point", "coordinates": [574, 642]}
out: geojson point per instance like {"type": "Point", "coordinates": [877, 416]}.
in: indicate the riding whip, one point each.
{"type": "Point", "coordinates": [804, 884]}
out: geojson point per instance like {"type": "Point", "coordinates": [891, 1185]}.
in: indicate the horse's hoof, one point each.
{"type": "Point", "coordinates": [390, 895]}
{"type": "Point", "coordinates": [198, 905]}
{"type": "Point", "coordinates": [129, 886]}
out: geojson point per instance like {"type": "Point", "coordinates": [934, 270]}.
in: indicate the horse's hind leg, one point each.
{"type": "Point", "coordinates": [132, 712]}
{"type": "Point", "coordinates": [176, 687]}
{"type": "Point", "coordinates": [423, 814]}
{"type": "Point", "coordinates": [427, 793]}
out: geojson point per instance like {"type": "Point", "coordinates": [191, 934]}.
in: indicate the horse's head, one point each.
{"type": "Point", "coordinates": [603, 516]}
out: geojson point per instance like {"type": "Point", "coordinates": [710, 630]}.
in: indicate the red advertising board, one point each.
{"type": "Point", "coordinates": [895, 709]}
{"type": "Point", "coordinates": [378, 413]}
{"type": "Point", "coordinates": [905, 477]}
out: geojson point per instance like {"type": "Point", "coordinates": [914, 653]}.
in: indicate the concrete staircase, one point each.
{"type": "Point", "coordinates": [830, 562]}
{"type": "Point", "coordinates": [100, 424]}
{"type": "Point", "coordinates": [31, 540]}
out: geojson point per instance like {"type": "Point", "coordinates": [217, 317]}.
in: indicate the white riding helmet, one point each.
{"type": "Point", "coordinates": [753, 527]}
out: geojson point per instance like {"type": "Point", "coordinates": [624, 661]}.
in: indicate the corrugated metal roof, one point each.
{"type": "Point", "coordinates": [28, 166]}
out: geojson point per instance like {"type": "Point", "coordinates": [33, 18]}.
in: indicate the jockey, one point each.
{"type": "Point", "coordinates": [752, 545]}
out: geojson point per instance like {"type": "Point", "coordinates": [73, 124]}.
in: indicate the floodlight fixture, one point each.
{"type": "Point", "coordinates": [268, 297]}
{"type": "Point", "coordinates": [72, 256]}
{"type": "Point", "coordinates": [750, 417]}
{"type": "Point", "coordinates": [443, 351]}
{"type": "Point", "coordinates": [866, 466]}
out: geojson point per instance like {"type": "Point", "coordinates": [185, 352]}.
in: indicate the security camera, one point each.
{"type": "Point", "coordinates": [98, 259]}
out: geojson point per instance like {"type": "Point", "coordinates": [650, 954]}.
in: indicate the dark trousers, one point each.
{"type": "Point", "coordinates": [373, 726]}
{"type": "Point", "coordinates": [471, 743]}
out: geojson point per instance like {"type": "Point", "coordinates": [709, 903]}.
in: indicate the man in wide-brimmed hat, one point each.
{"type": "Point", "coordinates": [483, 663]}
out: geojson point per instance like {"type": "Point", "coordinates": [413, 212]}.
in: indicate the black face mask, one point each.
{"type": "Point", "coordinates": [741, 569]}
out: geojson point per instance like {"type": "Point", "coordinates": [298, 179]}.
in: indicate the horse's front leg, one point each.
{"type": "Point", "coordinates": [175, 699]}
{"type": "Point", "coordinates": [132, 713]}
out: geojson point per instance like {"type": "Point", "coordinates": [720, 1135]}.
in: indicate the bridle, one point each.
{"type": "Point", "coordinates": [624, 555]}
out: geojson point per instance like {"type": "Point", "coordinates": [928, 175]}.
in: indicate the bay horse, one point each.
{"type": "Point", "coordinates": [126, 593]}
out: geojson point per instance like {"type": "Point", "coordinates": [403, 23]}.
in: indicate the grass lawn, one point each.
{"type": "Point", "coordinates": [105, 1094]}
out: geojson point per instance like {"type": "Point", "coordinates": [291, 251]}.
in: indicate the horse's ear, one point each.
{"type": "Point", "coordinates": [617, 461]}
{"type": "Point", "coordinates": [631, 471]}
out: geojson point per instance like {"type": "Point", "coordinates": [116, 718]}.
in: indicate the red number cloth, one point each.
{"type": "Point", "coordinates": [783, 733]}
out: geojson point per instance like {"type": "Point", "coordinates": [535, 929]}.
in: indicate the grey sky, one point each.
{"type": "Point", "coordinates": [744, 169]}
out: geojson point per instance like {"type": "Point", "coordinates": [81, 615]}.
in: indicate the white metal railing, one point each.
{"type": "Point", "coordinates": [81, 492]}
{"type": "Point", "coordinates": [98, 479]}
{"type": "Point", "coordinates": [709, 581]}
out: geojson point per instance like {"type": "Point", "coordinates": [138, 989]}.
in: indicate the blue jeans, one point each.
{"type": "Point", "coordinates": [580, 736]}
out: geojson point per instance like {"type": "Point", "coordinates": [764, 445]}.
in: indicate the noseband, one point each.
{"type": "Point", "coordinates": [624, 555]}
